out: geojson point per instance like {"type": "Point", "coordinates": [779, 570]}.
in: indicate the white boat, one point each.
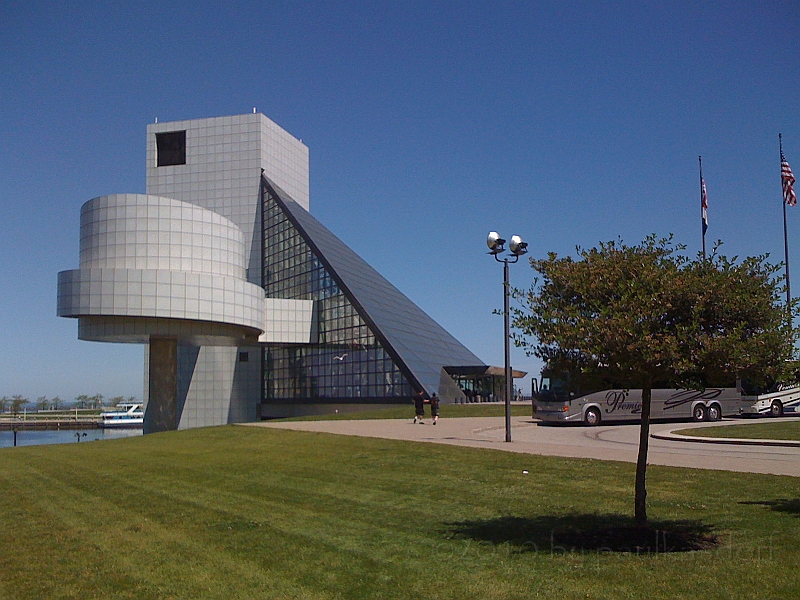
{"type": "Point", "coordinates": [124, 414]}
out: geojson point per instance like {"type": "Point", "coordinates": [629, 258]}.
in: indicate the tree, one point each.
{"type": "Point", "coordinates": [4, 402]}
{"type": "Point", "coordinates": [646, 314]}
{"type": "Point", "coordinates": [42, 403]}
{"type": "Point", "coordinates": [56, 402]}
{"type": "Point", "coordinates": [17, 402]}
{"type": "Point", "coordinates": [81, 401]}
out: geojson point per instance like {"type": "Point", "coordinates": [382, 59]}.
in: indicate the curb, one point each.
{"type": "Point", "coordinates": [674, 437]}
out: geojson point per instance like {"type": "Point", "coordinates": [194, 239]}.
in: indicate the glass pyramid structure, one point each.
{"type": "Point", "coordinates": [372, 344]}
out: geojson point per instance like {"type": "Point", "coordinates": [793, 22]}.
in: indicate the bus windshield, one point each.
{"type": "Point", "coordinates": [553, 389]}
{"type": "Point", "coordinates": [558, 386]}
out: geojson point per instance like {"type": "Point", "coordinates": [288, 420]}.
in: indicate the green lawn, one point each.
{"type": "Point", "coordinates": [239, 512]}
{"type": "Point", "coordinates": [772, 429]}
{"type": "Point", "coordinates": [406, 411]}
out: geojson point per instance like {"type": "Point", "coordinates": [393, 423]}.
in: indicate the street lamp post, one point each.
{"type": "Point", "coordinates": [517, 248]}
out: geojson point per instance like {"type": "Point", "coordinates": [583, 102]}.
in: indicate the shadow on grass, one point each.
{"type": "Point", "coordinates": [587, 533]}
{"type": "Point", "coordinates": [780, 505]}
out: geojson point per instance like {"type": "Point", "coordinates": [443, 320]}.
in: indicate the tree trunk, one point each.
{"type": "Point", "coordinates": [640, 504]}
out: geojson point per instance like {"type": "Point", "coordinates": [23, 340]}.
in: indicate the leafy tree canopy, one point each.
{"type": "Point", "coordinates": [646, 314]}
{"type": "Point", "coordinates": [17, 402]}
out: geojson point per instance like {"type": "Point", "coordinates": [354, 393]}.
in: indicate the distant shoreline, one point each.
{"type": "Point", "coordinates": [48, 424]}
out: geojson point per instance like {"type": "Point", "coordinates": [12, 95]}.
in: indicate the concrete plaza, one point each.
{"type": "Point", "coordinates": [607, 442]}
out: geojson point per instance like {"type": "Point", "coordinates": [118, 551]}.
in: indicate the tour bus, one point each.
{"type": "Point", "coordinates": [557, 399]}
{"type": "Point", "coordinates": [784, 398]}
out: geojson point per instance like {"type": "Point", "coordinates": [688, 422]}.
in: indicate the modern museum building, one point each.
{"type": "Point", "coordinates": [248, 307]}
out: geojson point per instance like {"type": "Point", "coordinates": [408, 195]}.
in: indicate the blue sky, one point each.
{"type": "Point", "coordinates": [428, 123]}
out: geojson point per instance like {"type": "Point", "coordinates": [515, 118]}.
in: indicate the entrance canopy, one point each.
{"type": "Point", "coordinates": [482, 383]}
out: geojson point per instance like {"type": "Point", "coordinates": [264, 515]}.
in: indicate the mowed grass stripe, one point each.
{"type": "Point", "coordinates": [118, 526]}
{"type": "Point", "coordinates": [59, 525]}
{"type": "Point", "coordinates": [152, 495]}
{"type": "Point", "coordinates": [248, 513]}
{"type": "Point", "coordinates": [158, 540]}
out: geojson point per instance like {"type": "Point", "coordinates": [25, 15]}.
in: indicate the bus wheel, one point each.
{"type": "Point", "coordinates": [714, 412]}
{"type": "Point", "coordinates": [776, 410]}
{"type": "Point", "coordinates": [699, 413]}
{"type": "Point", "coordinates": [592, 417]}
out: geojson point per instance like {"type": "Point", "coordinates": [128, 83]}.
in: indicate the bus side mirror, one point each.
{"type": "Point", "coordinates": [534, 385]}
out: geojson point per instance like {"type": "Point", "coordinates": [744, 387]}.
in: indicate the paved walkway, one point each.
{"type": "Point", "coordinates": [607, 442]}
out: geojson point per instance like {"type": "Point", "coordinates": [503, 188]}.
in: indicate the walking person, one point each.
{"type": "Point", "coordinates": [419, 407]}
{"type": "Point", "coordinates": [435, 408]}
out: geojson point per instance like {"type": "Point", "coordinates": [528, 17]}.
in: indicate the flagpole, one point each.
{"type": "Point", "coordinates": [702, 216]}
{"type": "Point", "coordinates": [785, 234]}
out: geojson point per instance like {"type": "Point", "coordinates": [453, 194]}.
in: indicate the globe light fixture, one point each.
{"type": "Point", "coordinates": [517, 248]}
{"type": "Point", "coordinates": [495, 242]}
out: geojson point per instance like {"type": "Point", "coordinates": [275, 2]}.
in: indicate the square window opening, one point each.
{"type": "Point", "coordinates": [171, 148]}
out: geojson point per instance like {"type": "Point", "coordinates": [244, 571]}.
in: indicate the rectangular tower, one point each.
{"type": "Point", "coordinates": [217, 163]}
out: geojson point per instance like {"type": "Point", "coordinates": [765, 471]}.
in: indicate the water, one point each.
{"type": "Point", "coordinates": [36, 438]}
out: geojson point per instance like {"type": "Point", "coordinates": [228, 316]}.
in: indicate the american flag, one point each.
{"type": "Point", "coordinates": [787, 179]}
{"type": "Point", "coordinates": [704, 203]}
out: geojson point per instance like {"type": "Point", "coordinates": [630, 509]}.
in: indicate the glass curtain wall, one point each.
{"type": "Point", "coordinates": [348, 364]}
